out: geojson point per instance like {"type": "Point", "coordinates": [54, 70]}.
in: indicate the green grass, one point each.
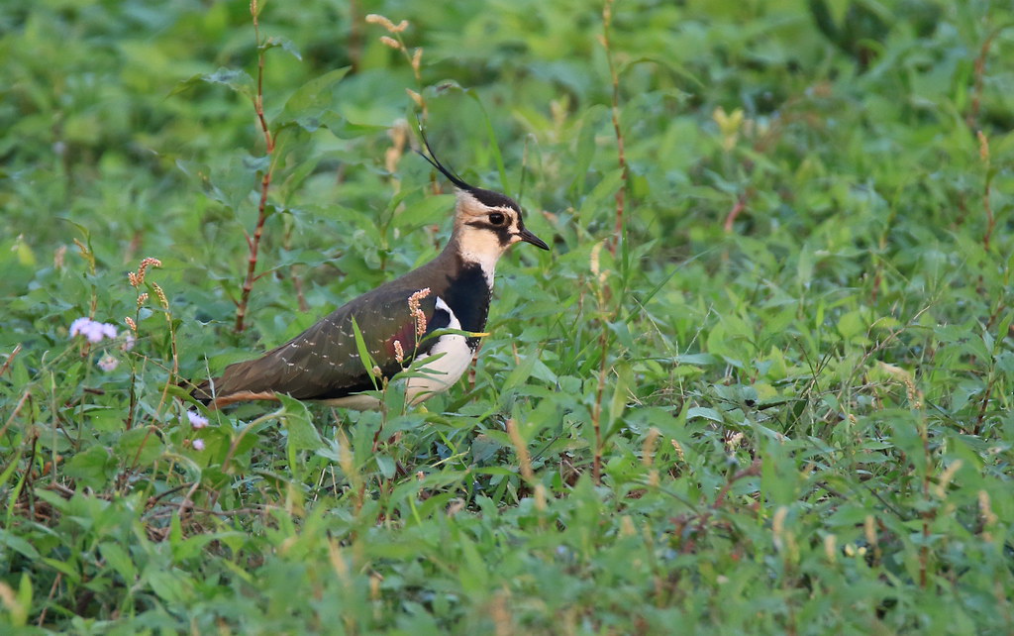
{"type": "Point", "coordinates": [783, 406]}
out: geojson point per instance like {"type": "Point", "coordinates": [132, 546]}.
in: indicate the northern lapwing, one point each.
{"type": "Point", "coordinates": [451, 292]}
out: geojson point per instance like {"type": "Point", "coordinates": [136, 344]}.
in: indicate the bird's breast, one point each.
{"type": "Point", "coordinates": [468, 295]}
{"type": "Point", "coordinates": [444, 363]}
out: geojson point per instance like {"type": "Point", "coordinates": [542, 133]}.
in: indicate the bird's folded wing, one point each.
{"type": "Point", "coordinates": [324, 362]}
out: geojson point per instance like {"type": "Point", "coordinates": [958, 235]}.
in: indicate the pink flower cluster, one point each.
{"type": "Point", "coordinates": [197, 420]}
{"type": "Point", "coordinates": [93, 330]}
{"type": "Point", "coordinates": [108, 363]}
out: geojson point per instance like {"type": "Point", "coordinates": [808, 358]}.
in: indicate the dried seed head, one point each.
{"type": "Point", "coordinates": [830, 548]}
{"type": "Point", "coordinates": [946, 477]}
{"type": "Point", "coordinates": [679, 450]}
{"type": "Point", "coordinates": [399, 134]}
{"type": "Point", "coordinates": [376, 18]}
{"type": "Point", "coordinates": [648, 448]}
{"type": "Point", "coordinates": [417, 313]}
{"type": "Point", "coordinates": [870, 530]}
{"type": "Point", "coordinates": [986, 510]}
{"type": "Point", "coordinates": [540, 497]}
{"type": "Point", "coordinates": [136, 280]}
{"type": "Point", "coordinates": [778, 526]}
{"type": "Point", "coordinates": [162, 300]}
{"type": "Point", "coordinates": [913, 393]}
{"type": "Point", "coordinates": [983, 146]}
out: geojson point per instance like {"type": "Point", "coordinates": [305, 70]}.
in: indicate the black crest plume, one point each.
{"type": "Point", "coordinates": [433, 161]}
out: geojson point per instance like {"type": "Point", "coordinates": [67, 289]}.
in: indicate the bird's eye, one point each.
{"type": "Point", "coordinates": [497, 218]}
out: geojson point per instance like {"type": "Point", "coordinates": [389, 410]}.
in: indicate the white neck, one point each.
{"type": "Point", "coordinates": [481, 247]}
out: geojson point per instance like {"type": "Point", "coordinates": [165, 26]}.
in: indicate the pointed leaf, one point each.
{"type": "Point", "coordinates": [286, 45]}
{"type": "Point", "coordinates": [302, 434]}
{"type": "Point", "coordinates": [234, 79]}
{"type": "Point", "coordinates": [364, 353]}
{"type": "Point", "coordinates": [312, 107]}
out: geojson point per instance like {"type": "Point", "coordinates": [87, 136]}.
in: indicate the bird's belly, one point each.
{"type": "Point", "coordinates": [356, 402]}
{"type": "Point", "coordinates": [436, 375]}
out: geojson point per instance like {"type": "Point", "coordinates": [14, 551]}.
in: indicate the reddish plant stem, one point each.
{"type": "Point", "coordinates": [980, 71]}
{"type": "Point", "coordinates": [297, 282]}
{"type": "Point", "coordinates": [355, 36]}
{"type": "Point", "coordinates": [927, 515]}
{"type": "Point", "coordinates": [10, 359]}
{"type": "Point", "coordinates": [986, 202]}
{"type": "Point", "coordinates": [597, 412]}
{"type": "Point", "coordinates": [253, 242]}
{"type": "Point", "coordinates": [753, 470]}
{"type": "Point", "coordinates": [734, 213]}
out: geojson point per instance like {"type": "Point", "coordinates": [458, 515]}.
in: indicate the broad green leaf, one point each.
{"type": "Point", "coordinates": [139, 447]}
{"type": "Point", "coordinates": [93, 467]}
{"type": "Point", "coordinates": [704, 412]}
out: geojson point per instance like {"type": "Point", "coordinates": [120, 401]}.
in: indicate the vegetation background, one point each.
{"type": "Point", "coordinates": [780, 402]}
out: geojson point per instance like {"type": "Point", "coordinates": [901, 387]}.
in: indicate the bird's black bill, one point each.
{"type": "Point", "coordinates": [528, 237]}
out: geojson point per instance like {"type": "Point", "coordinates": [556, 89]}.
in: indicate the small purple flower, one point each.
{"type": "Point", "coordinates": [198, 444]}
{"type": "Point", "coordinates": [92, 330]}
{"type": "Point", "coordinates": [78, 327]}
{"type": "Point", "coordinates": [197, 420]}
{"type": "Point", "coordinates": [128, 342]}
{"type": "Point", "coordinates": [108, 363]}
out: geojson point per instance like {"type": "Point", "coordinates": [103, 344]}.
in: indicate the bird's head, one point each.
{"type": "Point", "coordinates": [486, 223]}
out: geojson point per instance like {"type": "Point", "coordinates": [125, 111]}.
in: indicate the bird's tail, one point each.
{"type": "Point", "coordinates": [201, 391]}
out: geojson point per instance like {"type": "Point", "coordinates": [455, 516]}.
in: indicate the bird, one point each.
{"type": "Point", "coordinates": [435, 314]}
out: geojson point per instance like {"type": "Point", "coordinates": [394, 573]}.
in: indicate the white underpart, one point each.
{"type": "Point", "coordinates": [431, 377]}
{"type": "Point", "coordinates": [439, 374]}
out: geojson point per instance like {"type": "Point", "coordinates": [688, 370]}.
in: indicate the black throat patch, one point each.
{"type": "Point", "coordinates": [468, 296]}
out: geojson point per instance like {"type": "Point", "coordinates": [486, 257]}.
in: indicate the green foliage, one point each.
{"type": "Point", "coordinates": [784, 405]}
